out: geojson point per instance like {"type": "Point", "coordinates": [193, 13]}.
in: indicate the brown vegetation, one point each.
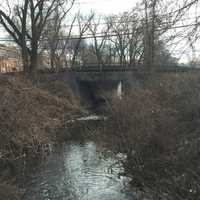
{"type": "Point", "coordinates": [158, 129]}
{"type": "Point", "coordinates": [28, 115]}
{"type": "Point", "coordinates": [10, 192]}
{"type": "Point", "coordinates": [61, 90]}
{"type": "Point", "coordinates": [30, 120]}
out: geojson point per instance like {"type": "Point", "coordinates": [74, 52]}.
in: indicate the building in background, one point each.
{"type": "Point", "coordinates": [10, 60]}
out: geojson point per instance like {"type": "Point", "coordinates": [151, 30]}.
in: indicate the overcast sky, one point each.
{"type": "Point", "coordinates": [100, 7]}
{"type": "Point", "coordinates": [106, 6]}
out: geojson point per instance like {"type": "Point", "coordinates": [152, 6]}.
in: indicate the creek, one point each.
{"type": "Point", "coordinates": [77, 171]}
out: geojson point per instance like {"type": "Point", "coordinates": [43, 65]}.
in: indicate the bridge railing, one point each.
{"type": "Point", "coordinates": [138, 68]}
{"type": "Point", "coordinates": [120, 68]}
{"type": "Point", "coordinates": [110, 67]}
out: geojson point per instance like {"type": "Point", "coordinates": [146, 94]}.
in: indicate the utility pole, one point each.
{"type": "Point", "coordinates": [149, 34]}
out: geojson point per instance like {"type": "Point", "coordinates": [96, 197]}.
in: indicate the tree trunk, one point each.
{"type": "Point", "coordinates": [25, 58]}
{"type": "Point", "coordinates": [99, 60]}
{"type": "Point", "coordinates": [33, 60]}
{"type": "Point", "coordinates": [52, 60]}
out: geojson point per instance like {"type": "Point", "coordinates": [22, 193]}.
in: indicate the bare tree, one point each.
{"type": "Point", "coordinates": [135, 47]}
{"type": "Point", "coordinates": [16, 30]}
{"type": "Point", "coordinates": [25, 23]}
{"type": "Point", "coordinates": [62, 47]}
{"type": "Point", "coordinates": [119, 26]}
{"type": "Point", "coordinates": [127, 37]}
{"type": "Point", "coordinates": [56, 35]}
{"type": "Point", "coordinates": [149, 32]}
{"type": "Point", "coordinates": [99, 42]}
{"type": "Point", "coordinates": [159, 17]}
{"type": "Point", "coordinates": [83, 26]}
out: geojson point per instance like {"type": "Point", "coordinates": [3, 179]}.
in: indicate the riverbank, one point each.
{"type": "Point", "coordinates": [78, 170]}
{"type": "Point", "coordinates": [157, 127]}
{"type": "Point", "coordinates": [31, 117]}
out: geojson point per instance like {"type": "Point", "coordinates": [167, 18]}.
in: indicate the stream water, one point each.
{"type": "Point", "coordinates": [77, 171]}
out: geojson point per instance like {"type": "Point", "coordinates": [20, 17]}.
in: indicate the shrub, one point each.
{"type": "Point", "coordinates": [8, 191]}
{"type": "Point", "coordinates": [29, 117]}
{"type": "Point", "coordinates": [157, 127]}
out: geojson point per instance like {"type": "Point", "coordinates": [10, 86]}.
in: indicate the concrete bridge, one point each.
{"type": "Point", "coordinates": [93, 82]}
{"type": "Point", "coordinates": [106, 73]}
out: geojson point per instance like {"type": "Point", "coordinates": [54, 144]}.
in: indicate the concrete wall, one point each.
{"type": "Point", "coordinates": [95, 89]}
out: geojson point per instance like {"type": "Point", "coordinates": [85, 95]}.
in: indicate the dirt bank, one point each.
{"type": "Point", "coordinates": [30, 117]}
{"type": "Point", "coordinates": [157, 127]}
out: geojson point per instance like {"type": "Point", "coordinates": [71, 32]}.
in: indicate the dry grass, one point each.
{"type": "Point", "coordinates": [9, 191]}
{"type": "Point", "coordinates": [30, 119]}
{"type": "Point", "coordinates": [61, 90]}
{"type": "Point", "coordinates": [158, 128]}
{"type": "Point", "coordinates": [29, 116]}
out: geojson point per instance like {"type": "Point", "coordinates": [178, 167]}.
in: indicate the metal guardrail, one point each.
{"type": "Point", "coordinates": [118, 68]}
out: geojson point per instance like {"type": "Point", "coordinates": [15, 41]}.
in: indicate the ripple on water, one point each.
{"type": "Point", "coordinates": [78, 172]}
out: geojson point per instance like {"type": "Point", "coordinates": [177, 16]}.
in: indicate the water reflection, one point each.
{"type": "Point", "coordinates": [78, 172]}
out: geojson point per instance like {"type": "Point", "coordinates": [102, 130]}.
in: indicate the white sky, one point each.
{"type": "Point", "coordinates": [105, 6]}
{"type": "Point", "coordinates": [100, 7]}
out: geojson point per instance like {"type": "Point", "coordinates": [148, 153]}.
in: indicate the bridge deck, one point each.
{"type": "Point", "coordinates": [141, 69]}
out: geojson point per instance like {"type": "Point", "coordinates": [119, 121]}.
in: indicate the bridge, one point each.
{"type": "Point", "coordinates": [95, 73]}
{"type": "Point", "coordinates": [91, 81]}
